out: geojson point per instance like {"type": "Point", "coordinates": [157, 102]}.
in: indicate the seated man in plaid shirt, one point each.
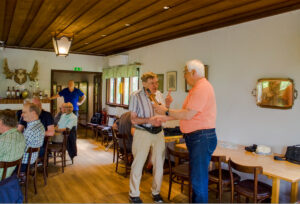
{"type": "Point", "coordinates": [34, 132]}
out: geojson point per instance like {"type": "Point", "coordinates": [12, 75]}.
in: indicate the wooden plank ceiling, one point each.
{"type": "Point", "coordinates": [104, 27]}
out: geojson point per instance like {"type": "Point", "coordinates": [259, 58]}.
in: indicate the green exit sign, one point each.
{"type": "Point", "coordinates": [77, 68]}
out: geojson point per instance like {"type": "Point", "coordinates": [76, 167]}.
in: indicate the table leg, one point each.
{"type": "Point", "coordinates": [275, 190]}
{"type": "Point", "coordinates": [294, 192]}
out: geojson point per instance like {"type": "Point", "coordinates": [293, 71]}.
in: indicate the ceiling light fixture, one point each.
{"type": "Point", "coordinates": [103, 35]}
{"type": "Point", "coordinates": [127, 24]}
{"type": "Point", "coordinates": [166, 7]}
{"type": "Point", "coordinates": [62, 43]}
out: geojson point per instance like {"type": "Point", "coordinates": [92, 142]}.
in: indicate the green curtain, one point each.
{"type": "Point", "coordinates": [120, 71]}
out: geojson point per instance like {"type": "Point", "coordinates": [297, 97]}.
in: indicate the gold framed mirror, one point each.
{"type": "Point", "coordinates": [275, 93]}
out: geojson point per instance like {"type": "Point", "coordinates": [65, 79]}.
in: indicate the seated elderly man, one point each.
{"type": "Point", "coordinates": [34, 132]}
{"type": "Point", "coordinates": [67, 120]}
{"type": "Point", "coordinates": [12, 142]}
{"type": "Point", "coordinates": [45, 118]}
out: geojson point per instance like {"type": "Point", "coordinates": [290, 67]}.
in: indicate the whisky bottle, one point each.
{"type": "Point", "coordinates": [8, 95]}
{"type": "Point", "coordinates": [13, 93]}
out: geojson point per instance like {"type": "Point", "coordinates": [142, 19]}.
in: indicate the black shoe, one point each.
{"type": "Point", "coordinates": [157, 198]}
{"type": "Point", "coordinates": [135, 200]}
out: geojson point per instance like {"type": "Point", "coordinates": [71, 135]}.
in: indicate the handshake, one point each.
{"type": "Point", "coordinates": [157, 120]}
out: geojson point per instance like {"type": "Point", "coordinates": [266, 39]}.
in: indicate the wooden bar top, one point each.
{"type": "Point", "coordinates": [19, 101]}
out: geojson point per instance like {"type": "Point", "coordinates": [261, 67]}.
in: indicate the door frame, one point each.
{"type": "Point", "coordinates": [70, 71]}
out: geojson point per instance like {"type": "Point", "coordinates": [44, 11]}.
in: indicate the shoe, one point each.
{"type": "Point", "coordinates": [157, 198]}
{"type": "Point", "coordinates": [135, 200]}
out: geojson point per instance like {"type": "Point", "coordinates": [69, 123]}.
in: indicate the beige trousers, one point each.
{"type": "Point", "coordinates": [142, 142]}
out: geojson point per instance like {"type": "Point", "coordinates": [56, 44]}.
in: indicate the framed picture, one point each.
{"type": "Point", "coordinates": [172, 81]}
{"type": "Point", "coordinates": [160, 82]}
{"type": "Point", "coordinates": [188, 87]}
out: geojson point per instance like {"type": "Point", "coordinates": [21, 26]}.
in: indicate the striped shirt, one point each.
{"type": "Point", "coordinates": [12, 146]}
{"type": "Point", "coordinates": [140, 104]}
{"type": "Point", "coordinates": [34, 136]}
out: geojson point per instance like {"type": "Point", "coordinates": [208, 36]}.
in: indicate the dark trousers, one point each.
{"type": "Point", "coordinates": [201, 144]}
{"type": "Point", "coordinates": [10, 190]}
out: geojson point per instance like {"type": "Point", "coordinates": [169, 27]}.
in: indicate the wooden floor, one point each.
{"type": "Point", "coordinates": [92, 179]}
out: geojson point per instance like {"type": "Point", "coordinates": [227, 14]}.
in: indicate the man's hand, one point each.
{"type": "Point", "coordinates": [154, 121]}
{"type": "Point", "coordinates": [160, 109]}
{"type": "Point", "coordinates": [168, 99]}
{"type": "Point", "coordinates": [79, 104]}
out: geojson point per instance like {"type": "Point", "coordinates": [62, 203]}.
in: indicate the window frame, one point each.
{"type": "Point", "coordinates": [114, 104]}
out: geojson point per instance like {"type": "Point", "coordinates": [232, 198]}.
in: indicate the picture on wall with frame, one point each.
{"type": "Point", "coordinates": [172, 81]}
{"type": "Point", "coordinates": [160, 78]}
{"type": "Point", "coordinates": [188, 87]}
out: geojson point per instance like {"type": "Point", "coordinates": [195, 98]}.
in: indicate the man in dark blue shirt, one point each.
{"type": "Point", "coordinates": [71, 94]}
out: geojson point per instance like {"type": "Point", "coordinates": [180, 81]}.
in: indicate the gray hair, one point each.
{"type": "Point", "coordinates": [196, 65]}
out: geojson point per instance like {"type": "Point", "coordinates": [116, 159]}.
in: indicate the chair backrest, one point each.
{"type": "Point", "coordinates": [218, 160]}
{"type": "Point", "coordinates": [66, 134]}
{"type": "Point", "coordinates": [255, 170]}
{"type": "Point", "coordinates": [111, 119]}
{"type": "Point", "coordinates": [6, 165]}
{"type": "Point", "coordinates": [179, 156]}
{"type": "Point", "coordinates": [31, 150]}
{"type": "Point", "coordinates": [46, 142]}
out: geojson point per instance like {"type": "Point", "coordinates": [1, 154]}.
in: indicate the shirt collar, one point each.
{"type": "Point", "coordinates": [33, 122]}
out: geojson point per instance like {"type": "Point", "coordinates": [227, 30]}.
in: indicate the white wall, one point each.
{"type": "Point", "coordinates": [237, 56]}
{"type": "Point", "coordinates": [24, 59]}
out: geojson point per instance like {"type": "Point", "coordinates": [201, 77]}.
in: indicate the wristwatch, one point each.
{"type": "Point", "coordinates": [167, 112]}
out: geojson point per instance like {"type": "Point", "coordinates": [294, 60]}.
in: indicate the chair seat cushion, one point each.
{"type": "Point", "coordinates": [181, 170]}
{"type": "Point", "coordinates": [246, 187]}
{"type": "Point", "coordinates": [214, 176]}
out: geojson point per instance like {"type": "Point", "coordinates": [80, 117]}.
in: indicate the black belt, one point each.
{"type": "Point", "coordinates": [152, 130]}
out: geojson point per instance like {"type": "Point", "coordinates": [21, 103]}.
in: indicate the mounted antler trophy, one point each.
{"type": "Point", "coordinates": [20, 75]}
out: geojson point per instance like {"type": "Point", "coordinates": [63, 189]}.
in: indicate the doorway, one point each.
{"type": "Point", "coordinates": [90, 83]}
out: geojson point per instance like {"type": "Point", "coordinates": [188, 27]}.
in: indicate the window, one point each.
{"type": "Point", "coordinates": [118, 90]}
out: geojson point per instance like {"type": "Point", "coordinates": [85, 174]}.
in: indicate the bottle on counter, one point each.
{"type": "Point", "coordinates": [8, 94]}
{"type": "Point", "coordinates": [13, 93]}
{"type": "Point", "coordinates": [18, 94]}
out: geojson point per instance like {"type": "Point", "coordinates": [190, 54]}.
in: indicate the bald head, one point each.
{"type": "Point", "coordinates": [37, 101]}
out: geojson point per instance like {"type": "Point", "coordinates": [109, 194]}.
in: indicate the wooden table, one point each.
{"type": "Point", "coordinates": [173, 138]}
{"type": "Point", "coordinates": [275, 170]}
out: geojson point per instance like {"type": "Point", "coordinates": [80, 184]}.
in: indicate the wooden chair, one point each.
{"type": "Point", "coordinates": [24, 176]}
{"type": "Point", "coordinates": [43, 160]}
{"type": "Point", "coordinates": [251, 189]}
{"type": "Point", "coordinates": [115, 143]}
{"type": "Point", "coordinates": [106, 130]}
{"type": "Point", "coordinates": [181, 171]}
{"type": "Point", "coordinates": [124, 153]}
{"type": "Point", "coordinates": [220, 177]}
{"type": "Point", "coordinates": [6, 165]}
{"type": "Point", "coordinates": [60, 149]}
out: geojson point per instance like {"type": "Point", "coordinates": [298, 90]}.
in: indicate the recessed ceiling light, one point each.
{"type": "Point", "coordinates": [166, 7]}
{"type": "Point", "coordinates": [86, 43]}
{"type": "Point", "coordinates": [103, 35]}
{"type": "Point", "coordinates": [127, 24]}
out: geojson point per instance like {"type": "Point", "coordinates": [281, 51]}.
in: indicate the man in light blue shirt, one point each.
{"type": "Point", "coordinates": [67, 120]}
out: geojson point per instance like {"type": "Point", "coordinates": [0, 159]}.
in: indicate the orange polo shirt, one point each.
{"type": "Point", "coordinates": [201, 98]}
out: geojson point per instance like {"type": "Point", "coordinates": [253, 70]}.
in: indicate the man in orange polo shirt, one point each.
{"type": "Point", "coordinates": [197, 123]}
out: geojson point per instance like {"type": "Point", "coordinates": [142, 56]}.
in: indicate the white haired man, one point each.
{"type": "Point", "coordinates": [67, 120]}
{"type": "Point", "coordinates": [197, 123]}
